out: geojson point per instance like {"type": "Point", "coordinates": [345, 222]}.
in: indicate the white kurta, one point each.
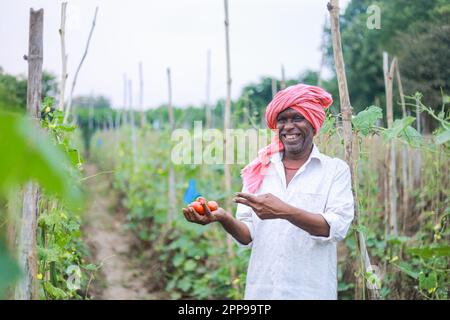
{"type": "Point", "coordinates": [287, 262]}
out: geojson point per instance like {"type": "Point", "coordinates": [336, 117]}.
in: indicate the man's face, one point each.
{"type": "Point", "coordinates": [295, 132]}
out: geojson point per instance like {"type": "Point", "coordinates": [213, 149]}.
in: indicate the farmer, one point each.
{"type": "Point", "coordinates": [296, 204]}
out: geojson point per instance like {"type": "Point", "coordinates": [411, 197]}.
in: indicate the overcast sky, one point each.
{"type": "Point", "coordinates": [172, 33]}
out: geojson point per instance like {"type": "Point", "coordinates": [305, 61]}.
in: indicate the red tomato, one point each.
{"type": "Point", "coordinates": [197, 207]}
{"type": "Point", "coordinates": [212, 205]}
{"type": "Point", "coordinates": [201, 200]}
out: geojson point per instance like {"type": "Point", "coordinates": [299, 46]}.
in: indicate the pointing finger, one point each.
{"type": "Point", "coordinates": [247, 196]}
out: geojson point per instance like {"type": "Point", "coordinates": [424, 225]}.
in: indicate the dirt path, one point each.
{"type": "Point", "coordinates": [121, 276]}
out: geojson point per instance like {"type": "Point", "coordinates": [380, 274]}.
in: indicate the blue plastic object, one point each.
{"type": "Point", "coordinates": [191, 192]}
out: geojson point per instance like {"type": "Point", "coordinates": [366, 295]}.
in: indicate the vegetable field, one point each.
{"type": "Point", "coordinates": [91, 192]}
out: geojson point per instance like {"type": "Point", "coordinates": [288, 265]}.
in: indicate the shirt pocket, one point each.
{"type": "Point", "coordinates": [311, 202]}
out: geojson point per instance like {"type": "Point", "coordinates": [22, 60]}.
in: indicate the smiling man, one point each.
{"type": "Point", "coordinates": [296, 204]}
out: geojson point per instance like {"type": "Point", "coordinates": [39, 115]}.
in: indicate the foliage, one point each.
{"type": "Point", "coordinates": [27, 154]}
{"type": "Point", "coordinates": [13, 90]}
{"type": "Point", "coordinates": [63, 271]}
{"type": "Point", "coordinates": [48, 159]}
{"type": "Point", "coordinates": [413, 31]}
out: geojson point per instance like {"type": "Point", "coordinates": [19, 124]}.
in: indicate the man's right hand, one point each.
{"type": "Point", "coordinates": [192, 216]}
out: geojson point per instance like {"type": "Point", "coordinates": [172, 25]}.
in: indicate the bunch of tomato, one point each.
{"type": "Point", "coordinates": [197, 205]}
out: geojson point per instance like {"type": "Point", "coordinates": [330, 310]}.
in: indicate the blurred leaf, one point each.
{"type": "Point", "coordinates": [428, 252]}
{"type": "Point", "coordinates": [189, 265]}
{"type": "Point", "coordinates": [55, 293]}
{"type": "Point", "coordinates": [408, 269]}
{"type": "Point", "coordinates": [184, 284]}
{"type": "Point", "coordinates": [443, 137]}
{"type": "Point", "coordinates": [28, 154]}
{"type": "Point", "coordinates": [9, 270]}
{"type": "Point", "coordinates": [398, 127]}
{"type": "Point", "coordinates": [366, 119]}
{"type": "Point", "coordinates": [428, 282]}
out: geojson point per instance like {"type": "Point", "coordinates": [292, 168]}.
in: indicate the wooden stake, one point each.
{"type": "Point", "coordinates": [141, 94]}
{"type": "Point", "coordinates": [346, 109]}
{"type": "Point", "coordinates": [227, 166]}
{"type": "Point", "coordinates": [208, 89]}
{"type": "Point", "coordinates": [62, 33]}
{"type": "Point", "coordinates": [172, 189]}
{"type": "Point", "coordinates": [283, 78]}
{"type": "Point", "coordinates": [132, 125]}
{"type": "Point", "coordinates": [391, 164]}
{"type": "Point", "coordinates": [169, 105]}
{"type": "Point", "coordinates": [274, 87]}
{"type": "Point", "coordinates": [417, 154]}
{"type": "Point", "coordinates": [125, 99]}
{"type": "Point", "coordinates": [26, 287]}
{"type": "Point", "coordinates": [69, 104]}
{"type": "Point", "coordinates": [323, 51]}
{"type": "Point", "coordinates": [405, 183]}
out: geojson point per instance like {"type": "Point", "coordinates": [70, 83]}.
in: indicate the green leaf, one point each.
{"type": "Point", "coordinates": [398, 127]}
{"type": "Point", "coordinates": [411, 136]}
{"type": "Point", "coordinates": [9, 270]}
{"type": "Point", "coordinates": [184, 284]}
{"type": "Point", "coordinates": [428, 282]}
{"type": "Point", "coordinates": [445, 99]}
{"type": "Point", "coordinates": [178, 260]}
{"type": "Point", "coordinates": [28, 154]}
{"type": "Point", "coordinates": [361, 229]}
{"type": "Point", "coordinates": [429, 252]}
{"type": "Point", "coordinates": [365, 121]}
{"type": "Point", "coordinates": [90, 267]}
{"type": "Point", "coordinates": [397, 240]}
{"type": "Point", "coordinates": [54, 292]}
{"type": "Point", "coordinates": [328, 125]}
{"type": "Point", "coordinates": [190, 265]}
{"type": "Point", "coordinates": [408, 269]}
{"type": "Point", "coordinates": [443, 137]}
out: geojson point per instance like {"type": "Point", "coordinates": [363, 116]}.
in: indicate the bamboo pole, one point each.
{"type": "Point", "coordinates": [274, 87]}
{"type": "Point", "coordinates": [125, 100]}
{"type": "Point", "coordinates": [169, 105]}
{"type": "Point", "coordinates": [323, 52]}
{"type": "Point", "coordinates": [132, 124]}
{"type": "Point", "coordinates": [283, 78]}
{"type": "Point", "coordinates": [141, 94]}
{"type": "Point", "coordinates": [26, 288]}
{"type": "Point", "coordinates": [172, 189]}
{"type": "Point", "coordinates": [62, 33]}
{"type": "Point", "coordinates": [227, 166]}
{"type": "Point", "coordinates": [74, 82]}
{"type": "Point", "coordinates": [208, 90]}
{"type": "Point", "coordinates": [391, 164]}
{"type": "Point", "coordinates": [346, 109]}
{"type": "Point", "coordinates": [405, 183]}
{"type": "Point", "coordinates": [91, 116]}
{"type": "Point", "coordinates": [117, 120]}
{"type": "Point", "coordinates": [417, 154]}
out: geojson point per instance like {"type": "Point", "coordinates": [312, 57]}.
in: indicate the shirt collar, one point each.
{"type": "Point", "coordinates": [315, 154]}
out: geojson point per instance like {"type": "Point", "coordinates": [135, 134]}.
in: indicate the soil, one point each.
{"type": "Point", "coordinates": [122, 275]}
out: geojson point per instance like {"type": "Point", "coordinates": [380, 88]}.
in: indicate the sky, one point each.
{"type": "Point", "coordinates": [264, 34]}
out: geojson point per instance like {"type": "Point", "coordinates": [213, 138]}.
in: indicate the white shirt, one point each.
{"type": "Point", "coordinates": [287, 262]}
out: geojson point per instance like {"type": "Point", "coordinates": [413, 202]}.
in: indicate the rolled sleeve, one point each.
{"type": "Point", "coordinates": [245, 214]}
{"type": "Point", "coordinates": [339, 210]}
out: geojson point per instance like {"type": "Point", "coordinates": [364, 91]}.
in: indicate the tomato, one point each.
{"type": "Point", "coordinates": [197, 206]}
{"type": "Point", "coordinates": [212, 205]}
{"type": "Point", "coordinates": [201, 200]}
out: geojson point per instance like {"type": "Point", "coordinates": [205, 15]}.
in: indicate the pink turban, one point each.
{"type": "Point", "coordinates": [310, 101]}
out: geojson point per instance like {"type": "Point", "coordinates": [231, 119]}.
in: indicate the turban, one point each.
{"type": "Point", "coordinates": [309, 101]}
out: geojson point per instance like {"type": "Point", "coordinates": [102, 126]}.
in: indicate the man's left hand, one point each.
{"type": "Point", "coordinates": [266, 206]}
